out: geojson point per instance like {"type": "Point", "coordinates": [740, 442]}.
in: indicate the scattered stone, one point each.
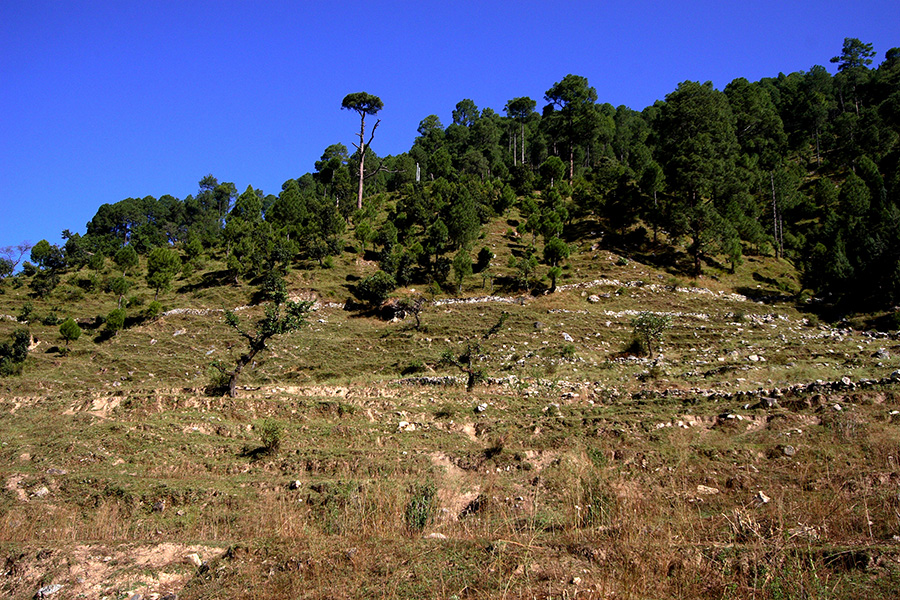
{"type": "Point", "coordinates": [538, 325]}
{"type": "Point", "coordinates": [567, 337]}
{"type": "Point", "coordinates": [706, 490]}
{"type": "Point", "coordinates": [159, 506]}
{"type": "Point", "coordinates": [788, 450]}
{"type": "Point", "coordinates": [48, 590]}
{"type": "Point", "coordinates": [481, 408]}
{"type": "Point", "coordinates": [41, 492]}
{"type": "Point", "coordinates": [406, 426]}
{"type": "Point", "coordinates": [845, 380]}
{"type": "Point", "coordinates": [55, 471]}
{"type": "Point", "coordinates": [593, 298]}
{"type": "Point", "coordinates": [575, 581]}
{"type": "Point", "coordinates": [436, 536]}
{"type": "Point", "coordinates": [762, 498]}
{"type": "Point", "coordinates": [194, 559]}
{"type": "Point", "coordinates": [179, 332]}
{"type": "Point", "coordinates": [882, 353]}
{"type": "Point", "coordinates": [753, 358]}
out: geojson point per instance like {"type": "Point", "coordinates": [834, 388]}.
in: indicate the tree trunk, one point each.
{"type": "Point", "coordinates": [774, 216]}
{"type": "Point", "coordinates": [362, 159]}
{"type": "Point", "coordinates": [523, 144]}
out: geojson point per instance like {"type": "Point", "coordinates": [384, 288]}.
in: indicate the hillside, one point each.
{"type": "Point", "coordinates": [755, 456]}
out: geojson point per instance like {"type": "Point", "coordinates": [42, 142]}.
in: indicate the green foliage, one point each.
{"type": "Point", "coordinates": [376, 288]}
{"type": "Point", "coordinates": [421, 507]}
{"type": "Point", "coordinates": [14, 352]}
{"type": "Point", "coordinates": [69, 331]}
{"type": "Point", "coordinates": [462, 268]}
{"type": "Point", "coordinates": [163, 264]}
{"type": "Point", "coordinates": [281, 317]}
{"type": "Point", "coordinates": [556, 251]}
{"type": "Point", "coordinates": [650, 329]}
{"type": "Point", "coordinates": [126, 259]}
{"type": "Point", "coordinates": [270, 435]}
{"type": "Point", "coordinates": [115, 321]}
{"type": "Point", "coordinates": [154, 309]}
{"type": "Point", "coordinates": [26, 313]}
{"type": "Point", "coordinates": [50, 319]}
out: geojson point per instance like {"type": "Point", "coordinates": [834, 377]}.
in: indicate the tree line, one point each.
{"type": "Point", "coordinates": [804, 167]}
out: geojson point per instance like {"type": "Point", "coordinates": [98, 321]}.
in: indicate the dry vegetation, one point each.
{"type": "Point", "coordinates": [343, 470]}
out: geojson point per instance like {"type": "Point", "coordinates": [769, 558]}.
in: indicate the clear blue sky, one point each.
{"type": "Point", "coordinates": [104, 100]}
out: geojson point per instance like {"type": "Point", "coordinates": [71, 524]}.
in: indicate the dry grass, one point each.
{"type": "Point", "coordinates": [577, 471]}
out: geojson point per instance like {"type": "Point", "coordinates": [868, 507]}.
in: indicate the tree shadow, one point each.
{"type": "Point", "coordinates": [208, 280]}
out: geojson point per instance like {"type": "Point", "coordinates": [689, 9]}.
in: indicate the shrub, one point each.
{"type": "Point", "coordinates": [270, 433]}
{"type": "Point", "coordinates": [154, 309]}
{"type": "Point", "coordinates": [115, 321]}
{"type": "Point", "coordinates": [376, 288]}
{"type": "Point", "coordinates": [26, 313]}
{"type": "Point", "coordinates": [420, 508]}
{"type": "Point", "coordinates": [69, 331]}
{"type": "Point", "coordinates": [650, 327]}
{"type": "Point", "coordinates": [14, 352]}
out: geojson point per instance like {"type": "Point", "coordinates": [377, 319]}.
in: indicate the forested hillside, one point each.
{"type": "Point", "coordinates": [804, 167]}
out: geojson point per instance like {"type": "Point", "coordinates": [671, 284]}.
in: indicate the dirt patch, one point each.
{"type": "Point", "coordinates": [98, 571]}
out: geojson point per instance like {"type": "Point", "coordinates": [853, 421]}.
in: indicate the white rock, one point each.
{"type": "Point", "coordinates": [194, 559]}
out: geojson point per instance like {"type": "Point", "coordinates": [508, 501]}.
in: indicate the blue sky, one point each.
{"type": "Point", "coordinates": [104, 100]}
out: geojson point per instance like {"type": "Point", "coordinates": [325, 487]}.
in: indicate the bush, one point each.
{"type": "Point", "coordinates": [376, 288]}
{"type": "Point", "coordinates": [649, 328]}
{"type": "Point", "coordinates": [420, 508]}
{"type": "Point", "coordinates": [69, 331]}
{"type": "Point", "coordinates": [14, 352]}
{"type": "Point", "coordinates": [154, 309]}
{"type": "Point", "coordinates": [26, 313]}
{"type": "Point", "coordinates": [115, 321]}
{"type": "Point", "coordinates": [270, 433]}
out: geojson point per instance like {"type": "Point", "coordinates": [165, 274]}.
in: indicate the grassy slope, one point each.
{"type": "Point", "coordinates": [588, 473]}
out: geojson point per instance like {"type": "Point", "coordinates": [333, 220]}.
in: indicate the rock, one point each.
{"type": "Point", "coordinates": [567, 337]}
{"type": "Point", "coordinates": [406, 426]}
{"type": "Point", "coordinates": [295, 485]}
{"type": "Point", "coordinates": [481, 408]}
{"type": "Point", "coordinates": [882, 353]}
{"type": "Point", "coordinates": [845, 380]}
{"type": "Point", "coordinates": [436, 536]}
{"type": "Point", "coordinates": [788, 450]}
{"type": "Point", "coordinates": [194, 559]}
{"type": "Point", "coordinates": [762, 498]}
{"type": "Point", "coordinates": [753, 358]}
{"type": "Point", "coordinates": [159, 506]}
{"type": "Point", "coordinates": [575, 581]}
{"type": "Point", "coordinates": [48, 590]}
{"type": "Point", "coordinates": [706, 490]}
{"type": "Point", "coordinates": [538, 325]}
{"type": "Point", "coordinates": [594, 299]}
{"type": "Point", "coordinates": [41, 492]}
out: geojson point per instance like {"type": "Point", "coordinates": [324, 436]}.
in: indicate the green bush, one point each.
{"type": "Point", "coordinates": [375, 288]}
{"type": "Point", "coordinates": [115, 321]}
{"type": "Point", "coordinates": [14, 352]}
{"type": "Point", "coordinates": [420, 508]}
{"type": "Point", "coordinates": [270, 433]}
{"type": "Point", "coordinates": [154, 309]}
